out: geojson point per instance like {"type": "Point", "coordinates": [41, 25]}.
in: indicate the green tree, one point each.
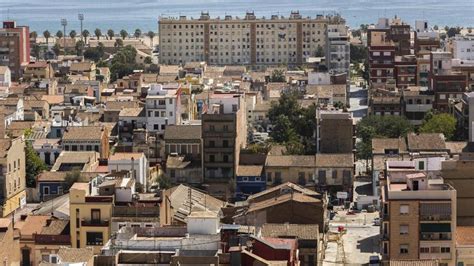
{"type": "Point", "coordinates": [56, 49]}
{"type": "Point", "coordinates": [36, 49]}
{"type": "Point", "coordinates": [46, 35]}
{"type": "Point", "coordinates": [123, 62]}
{"type": "Point", "coordinates": [123, 34]}
{"type": "Point", "coordinates": [85, 34]}
{"type": "Point", "coordinates": [59, 34]}
{"type": "Point", "coordinates": [283, 131]}
{"type": "Point", "coordinates": [34, 165]}
{"type": "Point", "coordinates": [278, 75]}
{"type": "Point", "coordinates": [96, 54]}
{"type": "Point", "coordinates": [110, 33]}
{"type": "Point", "coordinates": [451, 32]}
{"type": "Point", "coordinates": [359, 53]}
{"type": "Point", "coordinates": [138, 33]}
{"type": "Point", "coordinates": [440, 123]}
{"type": "Point", "coordinates": [435, 27]}
{"type": "Point", "coordinates": [147, 60]}
{"type": "Point", "coordinates": [80, 47]}
{"type": "Point", "coordinates": [73, 34]}
{"type": "Point", "coordinates": [71, 178]}
{"type": "Point", "coordinates": [151, 35]}
{"type": "Point", "coordinates": [319, 51]}
{"type": "Point", "coordinates": [118, 43]}
{"type": "Point", "coordinates": [388, 126]}
{"type": "Point", "coordinates": [98, 33]}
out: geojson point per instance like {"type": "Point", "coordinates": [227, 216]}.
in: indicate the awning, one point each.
{"type": "Point", "coordinates": [436, 228]}
{"type": "Point", "coordinates": [433, 209]}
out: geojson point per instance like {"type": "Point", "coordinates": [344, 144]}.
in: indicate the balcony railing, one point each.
{"type": "Point", "coordinates": [94, 223]}
{"type": "Point", "coordinates": [99, 199]}
{"type": "Point", "coordinates": [435, 217]}
{"type": "Point", "coordinates": [434, 236]}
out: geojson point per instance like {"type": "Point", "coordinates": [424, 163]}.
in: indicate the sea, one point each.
{"type": "Point", "coordinates": [43, 15]}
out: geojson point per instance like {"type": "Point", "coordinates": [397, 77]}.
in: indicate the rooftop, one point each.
{"type": "Point", "coordinates": [300, 231]}
{"type": "Point", "coordinates": [182, 132]}
{"type": "Point", "coordinates": [83, 133]}
{"type": "Point", "coordinates": [426, 142]}
{"type": "Point", "coordinates": [75, 255]}
{"type": "Point", "coordinates": [126, 156]}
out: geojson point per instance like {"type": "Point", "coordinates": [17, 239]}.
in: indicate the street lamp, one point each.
{"type": "Point", "coordinates": [81, 19]}
{"type": "Point", "coordinates": [64, 24]}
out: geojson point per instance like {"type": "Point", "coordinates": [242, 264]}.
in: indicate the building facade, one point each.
{"type": "Point", "coordinates": [14, 47]}
{"type": "Point", "coordinates": [12, 175]}
{"type": "Point", "coordinates": [247, 41]}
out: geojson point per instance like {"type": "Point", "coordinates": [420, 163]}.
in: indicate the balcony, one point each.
{"type": "Point", "coordinates": [99, 199]}
{"type": "Point", "coordinates": [97, 223]}
{"type": "Point", "coordinates": [418, 107]}
{"type": "Point", "coordinates": [52, 239]}
{"type": "Point", "coordinates": [434, 218]}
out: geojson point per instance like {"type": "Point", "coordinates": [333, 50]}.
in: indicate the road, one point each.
{"type": "Point", "coordinates": [360, 241]}
{"type": "Point", "coordinates": [358, 102]}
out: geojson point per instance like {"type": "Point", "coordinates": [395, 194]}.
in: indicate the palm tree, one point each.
{"type": "Point", "coordinates": [73, 34]}
{"type": "Point", "coordinates": [111, 34]}
{"type": "Point", "coordinates": [98, 33]}
{"type": "Point", "coordinates": [56, 49]}
{"type": "Point", "coordinates": [47, 35]}
{"type": "Point", "coordinates": [151, 35]}
{"type": "Point", "coordinates": [137, 33]}
{"type": "Point", "coordinates": [79, 48]}
{"type": "Point", "coordinates": [124, 34]}
{"type": "Point", "coordinates": [59, 34]}
{"type": "Point", "coordinates": [36, 51]}
{"type": "Point", "coordinates": [85, 34]}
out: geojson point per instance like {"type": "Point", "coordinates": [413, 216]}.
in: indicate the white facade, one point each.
{"type": "Point", "coordinates": [338, 48]}
{"type": "Point", "coordinates": [5, 77]}
{"type": "Point", "coordinates": [124, 192]}
{"type": "Point", "coordinates": [203, 223]}
{"type": "Point", "coordinates": [463, 47]}
{"type": "Point", "coordinates": [162, 108]}
{"type": "Point", "coordinates": [319, 78]}
{"type": "Point", "coordinates": [139, 164]}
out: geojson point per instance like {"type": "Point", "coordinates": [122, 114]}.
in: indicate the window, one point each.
{"type": "Point", "coordinates": [269, 176]}
{"type": "Point", "coordinates": [212, 158]}
{"type": "Point", "coordinates": [435, 249]}
{"type": "Point", "coordinates": [424, 250]}
{"type": "Point", "coordinates": [173, 173]}
{"type": "Point", "coordinates": [225, 158]}
{"type": "Point", "coordinates": [225, 143]}
{"type": "Point", "coordinates": [95, 215]}
{"type": "Point", "coordinates": [404, 209]}
{"type": "Point", "coordinates": [161, 102]}
{"type": "Point", "coordinates": [234, 108]}
{"type": "Point", "coordinates": [404, 249]}
{"type": "Point", "coordinates": [44, 258]}
{"type": "Point", "coordinates": [171, 113]}
{"type": "Point", "coordinates": [334, 174]}
{"type": "Point", "coordinates": [212, 128]}
{"type": "Point", "coordinates": [170, 101]}
{"type": "Point", "coordinates": [445, 250]}
{"type": "Point", "coordinates": [94, 238]}
{"type": "Point", "coordinates": [226, 128]}
{"type": "Point", "coordinates": [46, 190]}
{"type": "Point", "coordinates": [404, 229]}
{"type": "Point", "coordinates": [212, 144]}
{"type": "Point", "coordinates": [53, 259]}
{"type": "Point", "coordinates": [421, 165]}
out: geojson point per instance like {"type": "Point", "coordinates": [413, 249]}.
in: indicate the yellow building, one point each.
{"type": "Point", "coordinates": [12, 165]}
{"type": "Point", "coordinates": [90, 217]}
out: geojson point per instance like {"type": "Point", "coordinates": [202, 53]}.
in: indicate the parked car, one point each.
{"type": "Point", "coordinates": [374, 261]}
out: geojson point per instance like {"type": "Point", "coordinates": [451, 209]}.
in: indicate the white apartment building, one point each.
{"type": "Point", "coordinates": [463, 47]}
{"type": "Point", "coordinates": [130, 161]}
{"type": "Point", "coordinates": [247, 41]}
{"type": "Point", "coordinates": [5, 77]}
{"type": "Point", "coordinates": [337, 48]}
{"type": "Point", "coordinates": [162, 108]}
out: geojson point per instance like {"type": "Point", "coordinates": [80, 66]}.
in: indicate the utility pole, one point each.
{"type": "Point", "coordinates": [64, 24]}
{"type": "Point", "coordinates": [81, 19]}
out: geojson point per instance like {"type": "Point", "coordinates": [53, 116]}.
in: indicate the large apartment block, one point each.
{"type": "Point", "coordinates": [14, 47]}
{"type": "Point", "coordinates": [247, 41]}
{"type": "Point", "coordinates": [418, 215]}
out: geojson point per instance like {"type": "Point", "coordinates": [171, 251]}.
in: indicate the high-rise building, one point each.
{"type": "Point", "coordinates": [14, 47]}
{"type": "Point", "coordinates": [247, 41]}
{"type": "Point", "coordinates": [418, 214]}
{"type": "Point", "coordinates": [337, 48]}
{"type": "Point", "coordinates": [224, 133]}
